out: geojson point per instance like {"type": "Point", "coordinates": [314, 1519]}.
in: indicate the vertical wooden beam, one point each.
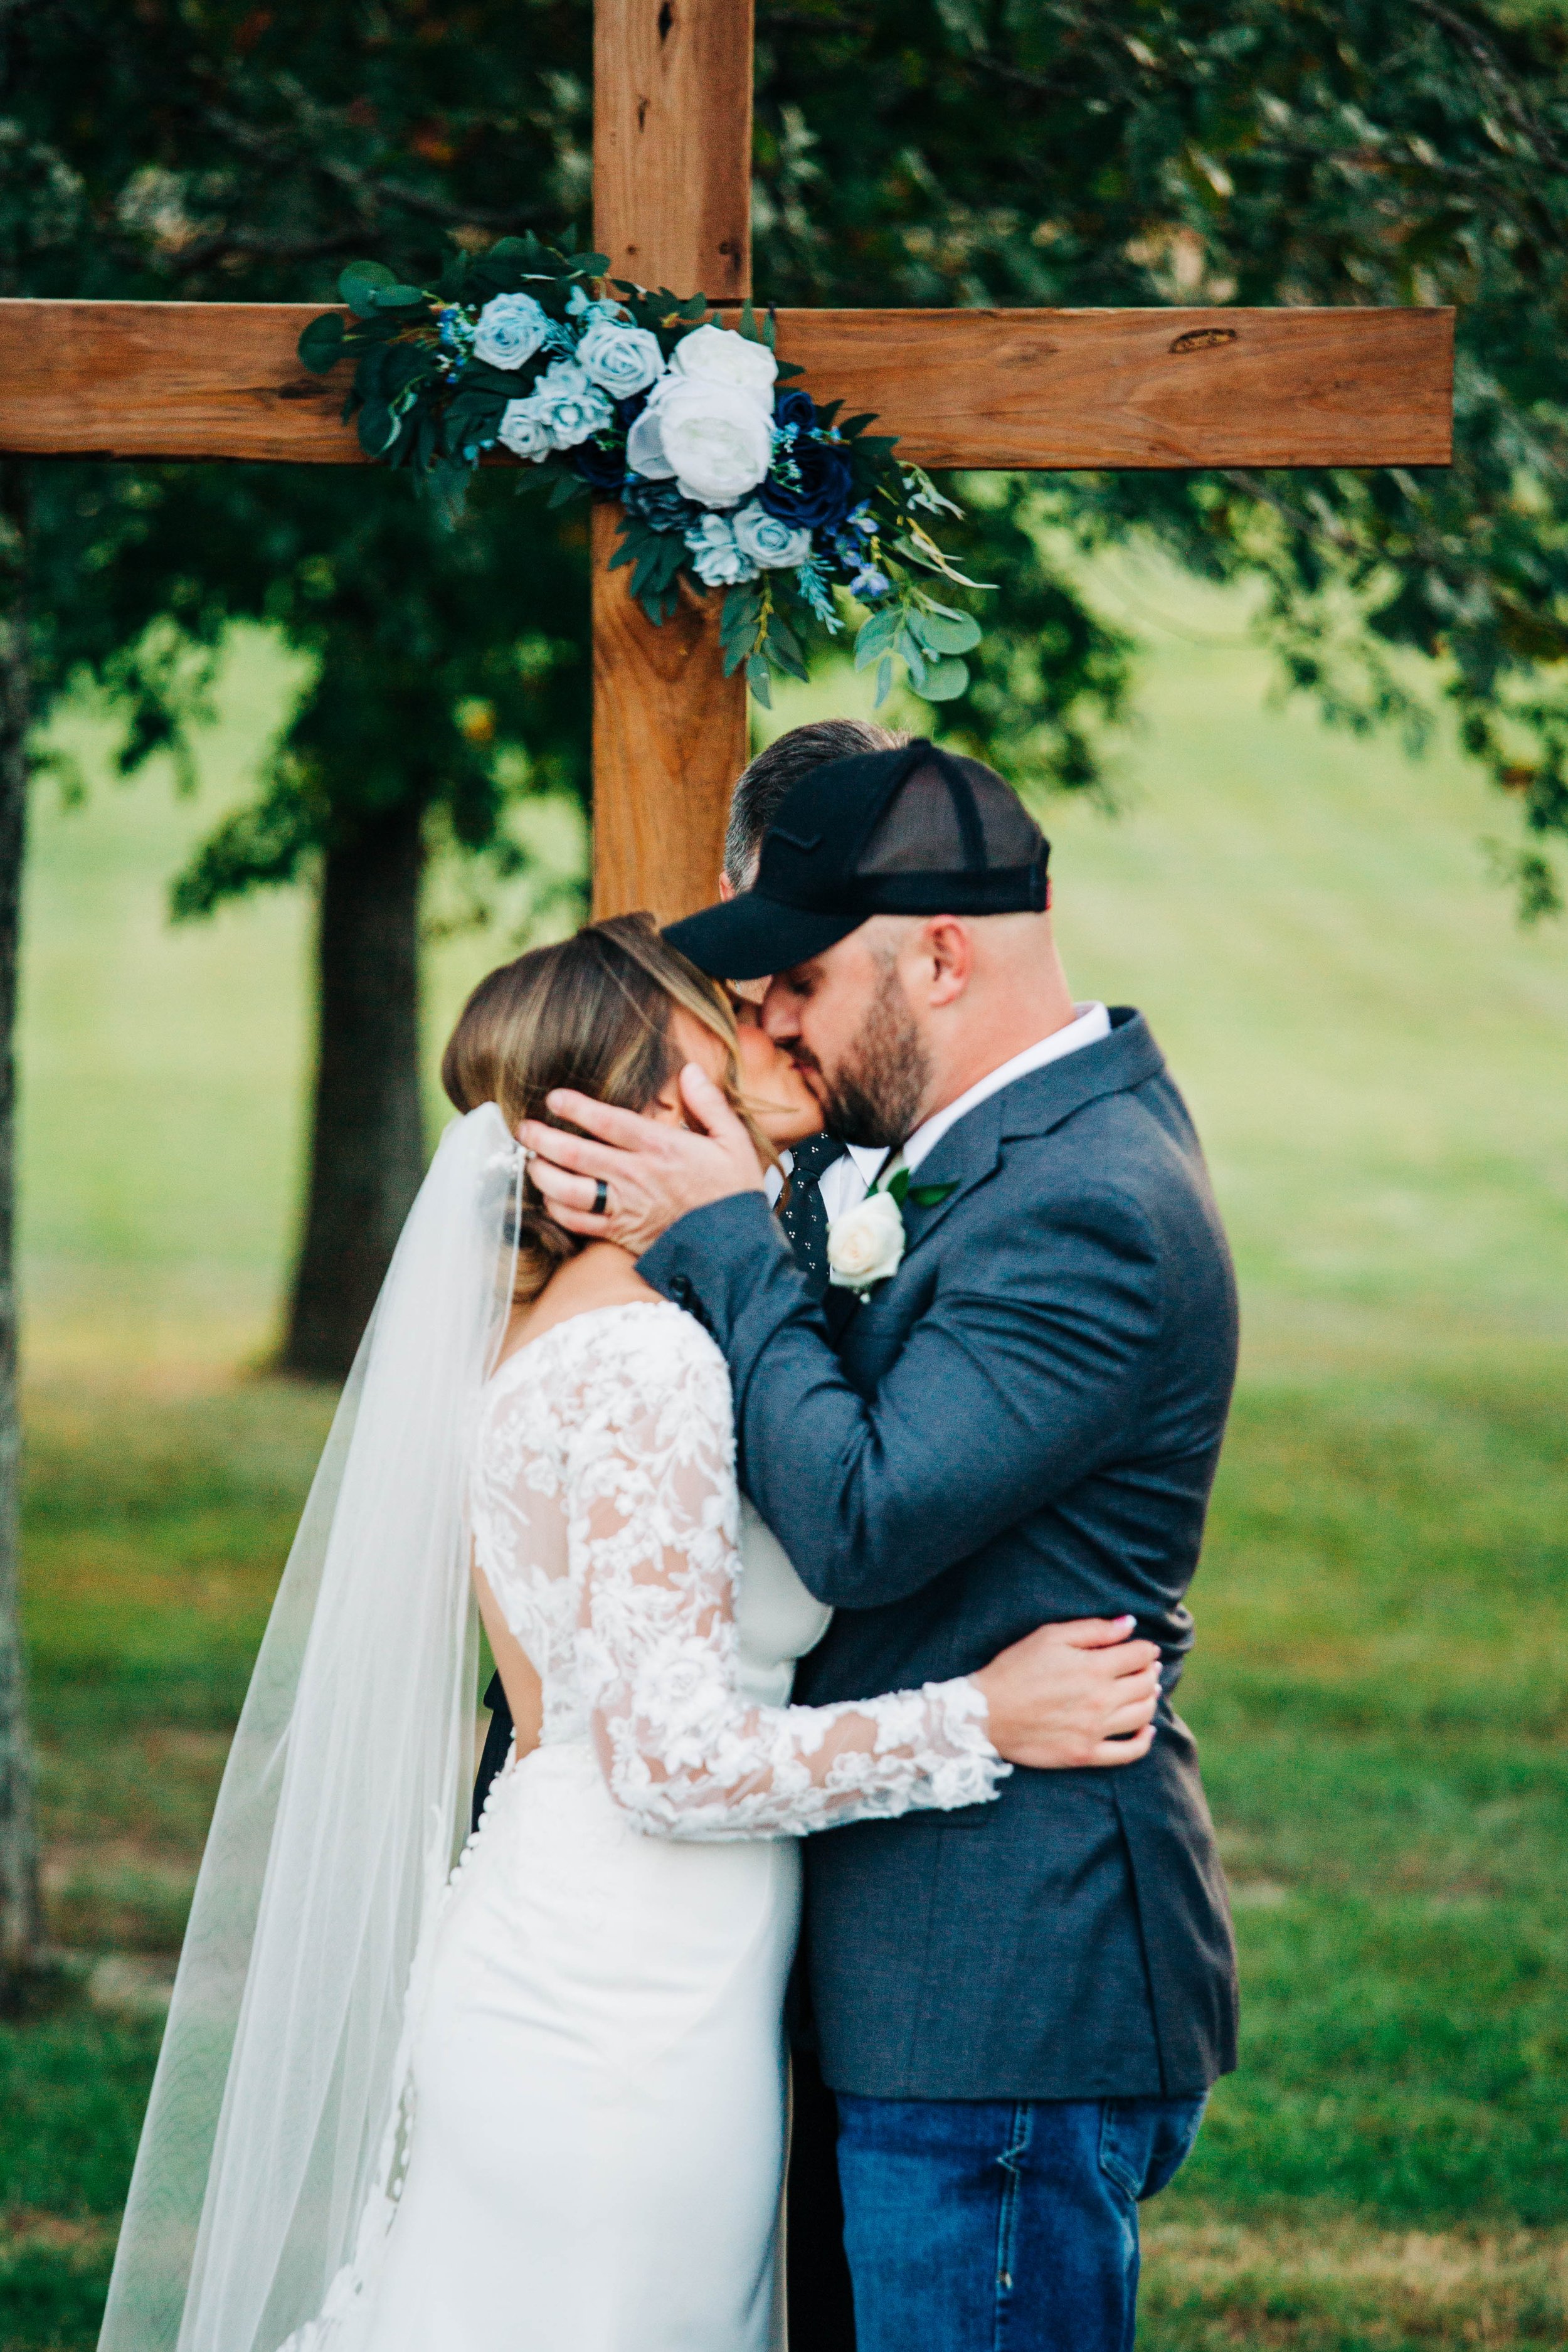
{"type": "Point", "coordinates": [672, 166]}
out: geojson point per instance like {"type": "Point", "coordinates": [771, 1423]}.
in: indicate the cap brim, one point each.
{"type": "Point", "coordinates": [747, 937]}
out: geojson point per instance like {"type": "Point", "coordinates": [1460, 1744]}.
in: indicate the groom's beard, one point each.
{"type": "Point", "coordinates": [875, 1094]}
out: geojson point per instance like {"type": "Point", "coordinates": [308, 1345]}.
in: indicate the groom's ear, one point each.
{"type": "Point", "coordinates": [950, 947]}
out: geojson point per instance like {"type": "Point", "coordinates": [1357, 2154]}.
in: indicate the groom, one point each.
{"type": "Point", "coordinates": [1020, 2007]}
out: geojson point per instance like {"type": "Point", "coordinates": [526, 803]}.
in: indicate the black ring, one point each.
{"type": "Point", "coordinates": [601, 1197]}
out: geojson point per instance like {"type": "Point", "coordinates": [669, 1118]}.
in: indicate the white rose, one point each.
{"type": "Point", "coordinates": [865, 1245]}
{"type": "Point", "coordinates": [510, 328]}
{"type": "Point", "coordinates": [524, 431]}
{"type": "Point", "coordinates": [716, 442]}
{"type": "Point", "coordinates": [720, 355]}
{"type": "Point", "coordinates": [715, 557]}
{"type": "Point", "coordinates": [620, 360]}
{"type": "Point", "coordinates": [772, 545]}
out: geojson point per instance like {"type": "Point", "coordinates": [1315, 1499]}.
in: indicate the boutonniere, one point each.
{"type": "Point", "coordinates": [865, 1245]}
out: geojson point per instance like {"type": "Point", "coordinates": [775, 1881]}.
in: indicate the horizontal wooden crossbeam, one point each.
{"type": "Point", "coordinates": [1052, 390]}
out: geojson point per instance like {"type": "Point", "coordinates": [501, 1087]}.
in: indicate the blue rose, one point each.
{"type": "Point", "coordinates": [822, 494]}
{"type": "Point", "coordinates": [510, 328]}
{"type": "Point", "coordinates": [620, 360]}
{"type": "Point", "coordinates": [775, 545]}
{"type": "Point", "coordinates": [715, 557]}
{"type": "Point", "coordinates": [569, 406]}
{"type": "Point", "coordinates": [796, 408]}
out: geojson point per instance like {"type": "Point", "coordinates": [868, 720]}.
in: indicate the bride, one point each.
{"type": "Point", "coordinates": [535, 2101]}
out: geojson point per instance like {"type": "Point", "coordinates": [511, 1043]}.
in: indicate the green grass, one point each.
{"type": "Point", "coordinates": [1376, 1057]}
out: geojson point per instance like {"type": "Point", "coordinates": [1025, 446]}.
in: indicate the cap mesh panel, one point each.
{"type": "Point", "coordinates": [925, 828]}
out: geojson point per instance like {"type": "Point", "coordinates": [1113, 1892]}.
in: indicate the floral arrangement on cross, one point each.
{"type": "Point", "coordinates": [729, 474]}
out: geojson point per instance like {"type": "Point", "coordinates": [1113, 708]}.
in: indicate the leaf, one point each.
{"type": "Point", "coordinates": [564, 489]}
{"type": "Point", "coordinates": [944, 681]}
{"type": "Point", "coordinates": [360, 284]}
{"type": "Point", "coordinates": [907, 643]}
{"type": "Point", "coordinates": [398, 298]}
{"type": "Point", "coordinates": [884, 681]}
{"type": "Point", "coordinates": [320, 346]}
{"type": "Point", "coordinates": [927, 1196]}
{"type": "Point", "coordinates": [958, 634]}
{"type": "Point", "coordinates": [377, 428]}
{"type": "Point", "coordinates": [875, 637]}
{"type": "Point", "coordinates": [757, 679]}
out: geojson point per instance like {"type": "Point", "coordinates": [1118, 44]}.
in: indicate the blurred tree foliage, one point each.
{"type": "Point", "coordinates": [1075, 151]}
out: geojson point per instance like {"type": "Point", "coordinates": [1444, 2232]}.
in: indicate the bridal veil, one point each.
{"type": "Point", "coordinates": [275, 2130]}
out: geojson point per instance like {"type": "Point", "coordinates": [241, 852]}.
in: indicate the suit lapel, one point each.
{"type": "Point", "coordinates": [1031, 1105]}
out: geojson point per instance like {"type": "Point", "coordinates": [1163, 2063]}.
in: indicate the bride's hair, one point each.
{"type": "Point", "coordinates": [593, 1012]}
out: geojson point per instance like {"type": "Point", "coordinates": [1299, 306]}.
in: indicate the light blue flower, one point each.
{"type": "Point", "coordinates": [457, 328]}
{"type": "Point", "coordinates": [771, 544]}
{"type": "Point", "coordinates": [868, 582]}
{"type": "Point", "coordinates": [620, 360]}
{"type": "Point", "coordinates": [572, 408]}
{"type": "Point", "coordinates": [511, 327]}
{"type": "Point", "coordinates": [715, 557]}
{"type": "Point", "coordinates": [580, 306]}
{"type": "Point", "coordinates": [864, 521]}
{"type": "Point", "coordinates": [524, 431]}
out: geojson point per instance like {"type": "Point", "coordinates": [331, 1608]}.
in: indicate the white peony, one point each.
{"type": "Point", "coordinates": [720, 355]}
{"type": "Point", "coordinates": [717, 560]}
{"type": "Point", "coordinates": [620, 360]}
{"type": "Point", "coordinates": [777, 546]}
{"type": "Point", "coordinates": [865, 1245]}
{"type": "Point", "coordinates": [716, 442]}
{"type": "Point", "coordinates": [510, 328]}
{"type": "Point", "coordinates": [524, 432]}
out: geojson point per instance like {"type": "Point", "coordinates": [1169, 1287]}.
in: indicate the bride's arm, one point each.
{"type": "Point", "coordinates": [652, 1519]}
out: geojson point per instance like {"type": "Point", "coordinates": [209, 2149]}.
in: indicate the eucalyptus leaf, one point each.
{"type": "Point", "coordinates": [320, 346]}
{"type": "Point", "coordinates": [958, 635]}
{"type": "Point", "coordinates": [944, 680]}
{"type": "Point", "coordinates": [758, 680]}
{"type": "Point", "coordinates": [884, 681]}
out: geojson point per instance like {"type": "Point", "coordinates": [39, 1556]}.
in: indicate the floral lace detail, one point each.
{"type": "Point", "coordinates": [606, 1517]}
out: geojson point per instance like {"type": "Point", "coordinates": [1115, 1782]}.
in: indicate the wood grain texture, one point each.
{"type": "Point", "coordinates": [670, 740]}
{"type": "Point", "coordinates": [1048, 388]}
{"type": "Point", "coordinates": [672, 143]}
{"type": "Point", "coordinates": [1060, 390]}
{"type": "Point", "coordinates": [672, 207]}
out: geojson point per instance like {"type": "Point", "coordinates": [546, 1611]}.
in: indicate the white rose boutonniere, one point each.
{"type": "Point", "coordinates": [865, 1245]}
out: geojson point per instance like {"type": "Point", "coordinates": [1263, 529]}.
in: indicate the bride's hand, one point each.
{"type": "Point", "coordinates": [1070, 1694]}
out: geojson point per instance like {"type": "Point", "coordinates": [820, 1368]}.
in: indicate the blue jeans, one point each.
{"type": "Point", "coordinates": [1002, 2225]}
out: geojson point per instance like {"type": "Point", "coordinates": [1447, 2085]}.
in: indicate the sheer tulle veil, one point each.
{"type": "Point", "coordinates": [272, 2153]}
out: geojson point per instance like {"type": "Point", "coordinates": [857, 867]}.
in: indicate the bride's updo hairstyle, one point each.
{"type": "Point", "coordinates": [593, 1012]}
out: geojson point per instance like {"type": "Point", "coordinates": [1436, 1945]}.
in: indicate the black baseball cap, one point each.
{"type": "Point", "coordinates": [914, 830]}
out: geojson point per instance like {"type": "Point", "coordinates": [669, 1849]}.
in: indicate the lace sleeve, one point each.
{"type": "Point", "coordinates": [653, 1511]}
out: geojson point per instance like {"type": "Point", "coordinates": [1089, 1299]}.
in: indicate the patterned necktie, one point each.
{"type": "Point", "coordinates": [803, 1216]}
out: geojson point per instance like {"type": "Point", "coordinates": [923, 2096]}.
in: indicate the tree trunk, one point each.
{"type": "Point", "coordinates": [367, 1142]}
{"type": "Point", "coordinates": [20, 1924]}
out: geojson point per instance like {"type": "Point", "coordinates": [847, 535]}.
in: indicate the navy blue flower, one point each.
{"type": "Point", "coordinates": [661, 505]}
{"type": "Point", "coordinates": [601, 468]}
{"type": "Point", "coordinates": [796, 408]}
{"type": "Point", "coordinates": [822, 494]}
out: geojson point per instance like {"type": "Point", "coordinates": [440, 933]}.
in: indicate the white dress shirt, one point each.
{"type": "Point", "coordinates": [842, 1185]}
{"type": "Point", "coordinates": [1092, 1022]}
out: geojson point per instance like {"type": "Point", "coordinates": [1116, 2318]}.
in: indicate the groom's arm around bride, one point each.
{"type": "Point", "coordinates": [1020, 1423]}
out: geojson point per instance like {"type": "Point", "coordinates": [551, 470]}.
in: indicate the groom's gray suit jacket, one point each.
{"type": "Point", "coordinates": [1022, 1424]}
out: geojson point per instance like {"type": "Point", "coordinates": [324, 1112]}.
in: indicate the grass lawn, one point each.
{"type": "Point", "coordinates": [1376, 1057]}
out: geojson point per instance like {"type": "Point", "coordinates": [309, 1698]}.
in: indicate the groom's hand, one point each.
{"type": "Point", "coordinates": [653, 1173]}
{"type": "Point", "coordinates": [1072, 1695]}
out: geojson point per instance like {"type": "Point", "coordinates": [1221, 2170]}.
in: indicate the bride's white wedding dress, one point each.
{"type": "Point", "coordinates": [595, 2140]}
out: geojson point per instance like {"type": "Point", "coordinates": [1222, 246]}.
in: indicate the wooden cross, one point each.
{"type": "Point", "coordinates": [1007, 389]}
